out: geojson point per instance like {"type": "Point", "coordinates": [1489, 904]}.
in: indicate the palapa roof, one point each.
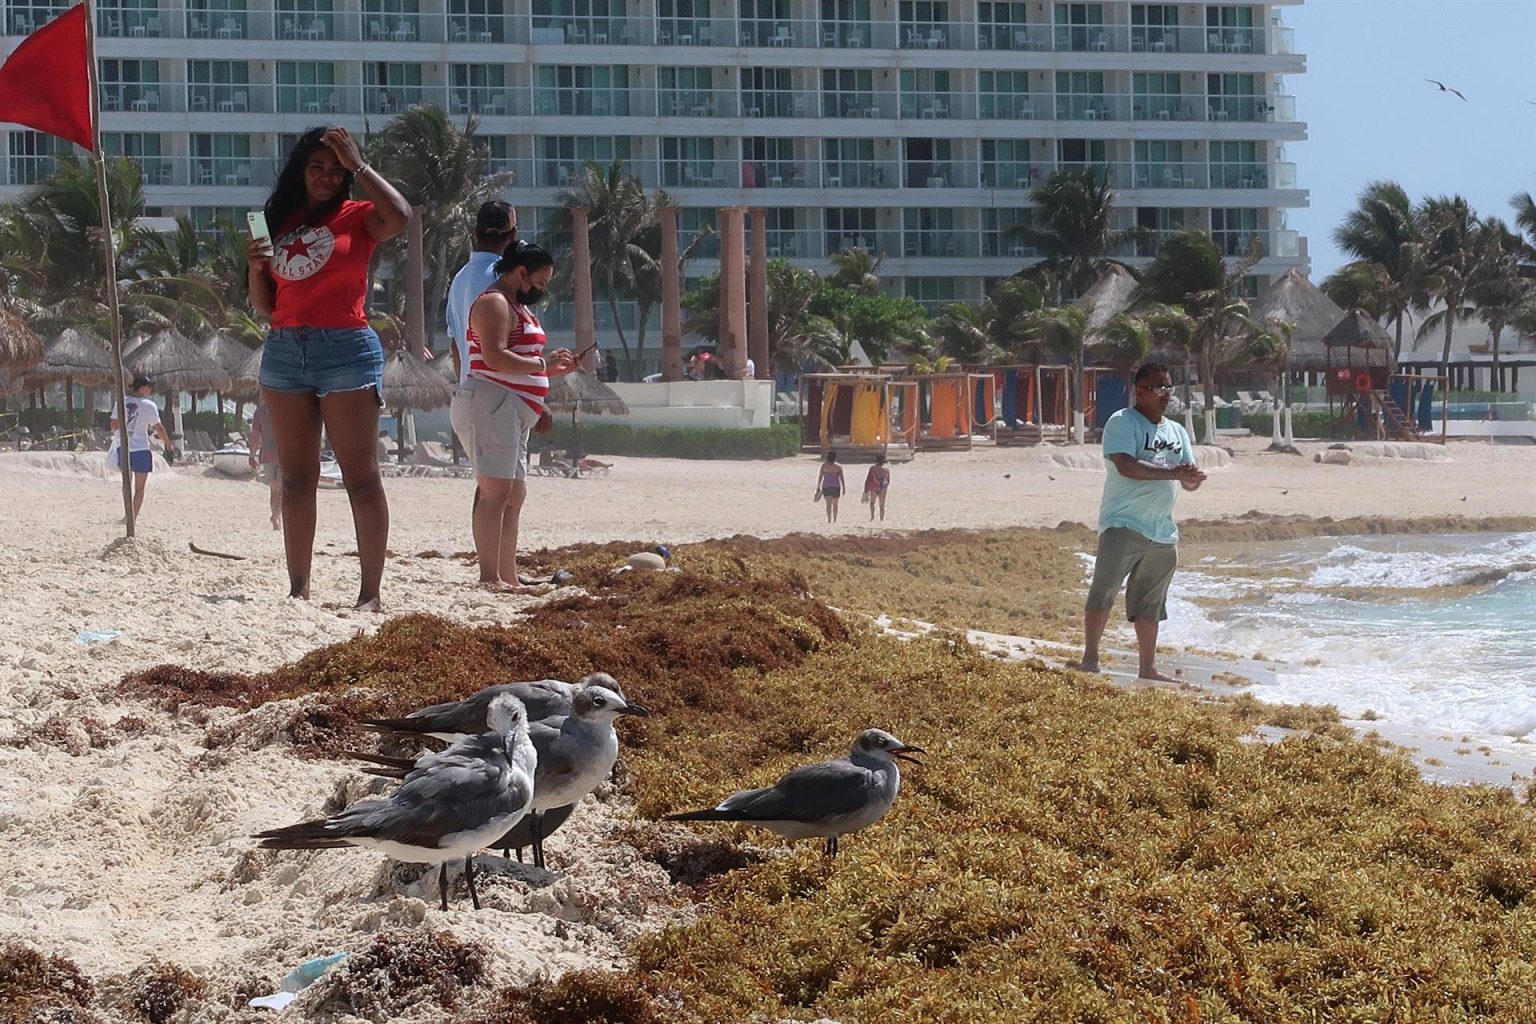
{"type": "Point", "coordinates": [19, 347]}
{"type": "Point", "coordinates": [225, 351]}
{"type": "Point", "coordinates": [1357, 330]}
{"type": "Point", "coordinates": [77, 356]}
{"type": "Point", "coordinates": [1110, 296]}
{"type": "Point", "coordinates": [245, 379]}
{"type": "Point", "coordinates": [411, 384]}
{"type": "Point", "coordinates": [583, 392]}
{"type": "Point", "coordinates": [172, 363]}
{"type": "Point", "coordinates": [1297, 301]}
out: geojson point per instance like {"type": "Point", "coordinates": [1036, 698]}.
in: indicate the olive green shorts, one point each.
{"type": "Point", "coordinates": [1125, 553]}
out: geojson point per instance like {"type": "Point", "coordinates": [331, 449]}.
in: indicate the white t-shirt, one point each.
{"type": "Point", "coordinates": [143, 416]}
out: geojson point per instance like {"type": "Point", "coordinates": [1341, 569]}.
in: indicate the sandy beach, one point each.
{"type": "Point", "coordinates": [121, 823]}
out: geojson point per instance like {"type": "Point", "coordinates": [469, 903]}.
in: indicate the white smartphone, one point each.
{"type": "Point", "coordinates": [256, 220]}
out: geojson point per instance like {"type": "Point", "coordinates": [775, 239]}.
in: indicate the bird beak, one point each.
{"type": "Point", "coordinates": [905, 754]}
{"type": "Point", "coordinates": [635, 709]}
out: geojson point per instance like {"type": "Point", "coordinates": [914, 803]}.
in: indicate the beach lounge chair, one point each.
{"type": "Point", "coordinates": [1267, 398]}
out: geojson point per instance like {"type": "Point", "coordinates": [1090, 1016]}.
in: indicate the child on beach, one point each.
{"type": "Point", "coordinates": [876, 482]}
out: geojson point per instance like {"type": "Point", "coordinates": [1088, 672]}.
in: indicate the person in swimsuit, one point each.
{"type": "Point", "coordinates": [829, 485]}
{"type": "Point", "coordinates": [876, 483]}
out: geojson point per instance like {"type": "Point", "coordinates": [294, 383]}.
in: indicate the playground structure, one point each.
{"type": "Point", "coordinates": [850, 412]}
{"type": "Point", "coordinates": [1362, 377]}
{"type": "Point", "coordinates": [1036, 403]}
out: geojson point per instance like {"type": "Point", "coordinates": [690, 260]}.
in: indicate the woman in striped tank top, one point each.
{"type": "Point", "coordinates": [501, 400]}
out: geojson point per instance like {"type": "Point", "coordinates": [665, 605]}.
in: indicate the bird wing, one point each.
{"type": "Point", "coordinates": [450, 796]}
{"type": "Point", "coordinates": [1431, 81]}
{"type": "Point", "coordinates": [544, 698]}
{"type": "Point", "coordinates": [1458, 93]}
{"type": "Point", "coordinates": [815, 792]}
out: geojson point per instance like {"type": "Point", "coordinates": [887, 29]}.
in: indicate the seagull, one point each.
{"type": "Point", "coordinates": [1446, 88]}
{"type": "Point", "coordinates": [827, 800]}
{"type": "Point", "coordinates": [577, 746]}
{"type": "Point", "coordinates": [450, 804]}
{"type": "Point", "coordinates": [543, 698]}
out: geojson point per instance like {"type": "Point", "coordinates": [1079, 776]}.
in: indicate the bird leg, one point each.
{"type": "Point", "coordinates": [442, 883]}
{"type": "Point", "coordinates": [831, 848]}
{"type": "Point", "coordinates": [469, 877]}
{"type": "Point", "coordinates": [538, 838]}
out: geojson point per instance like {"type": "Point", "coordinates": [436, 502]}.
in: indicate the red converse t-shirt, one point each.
{"type": "Point", "coordinates": [321, 270]}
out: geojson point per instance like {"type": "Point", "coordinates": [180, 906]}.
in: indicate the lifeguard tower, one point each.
{"type": "Point", "coordinates": [1361, 377]}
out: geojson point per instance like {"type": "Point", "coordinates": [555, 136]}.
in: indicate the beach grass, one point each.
{"type": "Point", "coordinates": [1069, 852]}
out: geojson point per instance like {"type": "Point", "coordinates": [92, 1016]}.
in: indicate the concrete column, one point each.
{"type": "Point", "coordinates": [415, 297]}
{"type": "Point", "coordinates": [733, 295]}
{"type": "Point", "coordinates": [581, 256]}
{"type": "Point", "coordinates": [757, 308]}
{"type": "Point", "coordinates": [671, 298]}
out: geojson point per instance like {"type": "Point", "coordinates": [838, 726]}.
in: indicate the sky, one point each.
{"type": "Point", "coordinates": [1370, 115]}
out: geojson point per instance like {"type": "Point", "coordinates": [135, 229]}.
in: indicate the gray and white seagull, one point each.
{"type": "Point", "coordinates": [575, 739]}
{"type": "Point", "coordinates": [826, 800]}
{"type": "Point", "coordinates": [449, 805]}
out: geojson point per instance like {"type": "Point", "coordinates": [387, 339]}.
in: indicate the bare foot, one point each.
{"type": "Point", "coordinates": [373, 604]}
{"type": "Point", "coordinates": [1156, 677]}
{"type": "Point", "coordinates": [277, 522]}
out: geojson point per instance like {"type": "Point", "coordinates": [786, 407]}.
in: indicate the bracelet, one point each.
{"type": "Point", "coordinates": [543, 365]}
{"type": "Point", "coordinates": [362, 169]}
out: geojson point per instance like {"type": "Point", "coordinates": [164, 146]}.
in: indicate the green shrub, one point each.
{"type": "Point", "coordinates": [1318, 423]}
{"type": "Point", "coordinates": [779, 441]}
{"type": "Point", "coordinates": [215, 423]}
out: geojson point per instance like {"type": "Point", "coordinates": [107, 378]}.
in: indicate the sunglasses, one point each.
{"type": "Point", "coordinates": [1161, 389]}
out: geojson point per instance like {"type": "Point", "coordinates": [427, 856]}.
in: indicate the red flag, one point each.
{"type": "Point", "coordinates": [46, 84]}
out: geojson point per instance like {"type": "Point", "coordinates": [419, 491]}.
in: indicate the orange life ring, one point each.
{"type": "Point", "coordinates": [1362, 382]}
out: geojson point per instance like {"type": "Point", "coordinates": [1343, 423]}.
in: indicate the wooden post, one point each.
{"type": "Point", "coordinates": [415, 294]}
{"type": "Point", "coordinates": [671, 298]}
{"type": "Point", "coordinates": [581, 255]}
{"type": "Point", "coordinates": [733, 296]}
{"type": "Point", "coordinates": [757, 307]}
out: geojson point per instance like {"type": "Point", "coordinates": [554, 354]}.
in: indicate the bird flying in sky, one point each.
{"type": "Point", "coordinates": [1446, 88]}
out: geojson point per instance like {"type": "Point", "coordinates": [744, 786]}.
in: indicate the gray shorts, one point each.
{"type": "Point", "coordinates": [492, 423]}
{"type": "Point", "coordinates": [1149, 565]}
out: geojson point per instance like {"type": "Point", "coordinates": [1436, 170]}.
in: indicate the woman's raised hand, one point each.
{"type": "Point", "coordinates": [340, 142]}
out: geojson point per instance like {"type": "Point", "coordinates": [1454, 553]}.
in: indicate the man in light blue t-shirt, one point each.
{"type": "Point", "coordinates": [495, 230]}
{"type": "Point", "coordinates": [1148, 455]}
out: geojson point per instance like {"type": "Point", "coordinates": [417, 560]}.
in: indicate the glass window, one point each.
{"type": "Point", "coordinates": [852, 228]}
{"type": "Point", "coordinates": [307, 87]}
{"type": "Point", "coordinates": [31, 156]}
{"type": "Point", "coordinates": [305, 19]}
{"type": "Point", "coordinates": [1006, 163]}
{"type": "Point", "coordinates": [390, 87]}
{"type": "Point", "coordinates": [561, 157]}
{"type": "Point", "coordinates": [690, 162]}
{"type": "Point", "coordinates": [1080, 95]}
{"type": "Point", "coordinates": [1234, 229]}
{"type": "Point", "coordinates": [847, 92]}
{"type": "Point", "coordinates": [481, 21]}
{"type": "Point", "coordinates": [1080, 27]}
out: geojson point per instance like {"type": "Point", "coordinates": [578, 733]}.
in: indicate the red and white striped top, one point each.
{"type": "Point", "coordinates": [527, 339]}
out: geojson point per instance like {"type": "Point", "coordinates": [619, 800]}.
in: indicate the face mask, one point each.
{"type": "Point", "coordinates": [530, 297]}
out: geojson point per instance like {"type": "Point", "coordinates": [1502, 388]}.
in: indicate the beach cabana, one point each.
{"type": "Point", "coordinates": [1036, 403]}
{"type": "Point", "coordinates": [233, 357]}
{"type": "Point", "coordinates": [851, 412]}
{"type": "Point", "coordinates": [173, 365]}
{"type": "Point", "coordinates": [1295, 300]}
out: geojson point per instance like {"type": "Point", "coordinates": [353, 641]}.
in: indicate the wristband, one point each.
{"type": "Point", "coordinates": [544, 365]}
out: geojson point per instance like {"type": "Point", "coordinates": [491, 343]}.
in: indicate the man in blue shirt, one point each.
{"type": "Point", "coordinates": [495, 230]}
{"type": "Point", "coordinates": [1150, 457]}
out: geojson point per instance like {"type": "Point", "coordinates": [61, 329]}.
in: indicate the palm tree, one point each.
{"type": "Point", "coordinates": [620, 213]}
{"type": "Point", "coordinates": [647, 281]}
{"type": "Point", "coordinates": [63, 217]}
{"type": "Point", "coordinates": [1385, 229]}
{"type": "Point", "coordinates": [1361, 285]}
{"type": "Point", "coordinates": [963, 334]}
{"type": "Point", "coordinates": [1498, 287]}
{"type": "Point", "coordinates": [445, 172]}
{"type": "Point", "coordinates": [1072, 228]}
{"type": "Point", "coordinates": [1525, 221]}
{"type": "Point", "coordinates": [1453, 251]}
{"type": "Point", "coordinates": [1124, 342]}
{"type": "Point", "coordinates": [795, 338]}
{"type": "Point", "coordinates": [857, 270]}
{"type": "Point", "coordinates": [1063, 331]}
{"type": "Point", "coordinates": [1007, 312]}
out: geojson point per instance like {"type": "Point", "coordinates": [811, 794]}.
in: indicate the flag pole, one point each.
{"type": "Point", "coordinates": [108, 250]}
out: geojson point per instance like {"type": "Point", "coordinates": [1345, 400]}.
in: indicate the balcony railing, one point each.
{"type": "Point", "coordinates": [940, 243]}
{"type": "Point", "coordinates": [888, 242]}
{"type": "Point", "coordinates": [755, 103]}
{"type": "Point", "coordinates": [858, 174]}
{"type": "Point", "coordinates": [773, 174]}
{"type": "Point", "coordinates": [1004, 106]}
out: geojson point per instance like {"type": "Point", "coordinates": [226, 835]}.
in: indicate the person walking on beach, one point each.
{"type": "Point", "coordinates": [502, 399]}
{"type": "Point", "coordinates": [143, 419]}
{"type": "Point", "coordinates": [322, 365]}
{"type": "Point", "coordinates": [263, 449]}
{"type": "Point", "coordinates": [876, 482]}
{"type": "Point", "coordinates": [1149, 457]}
{"type": "Point", "coordinates": [829, 485]}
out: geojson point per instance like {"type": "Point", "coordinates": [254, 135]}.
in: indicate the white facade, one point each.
{"type": "Point", "coordinates": [913, 128]}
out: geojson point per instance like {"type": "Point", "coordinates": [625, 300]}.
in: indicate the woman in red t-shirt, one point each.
{"type": "Point", "coordinates": [322, 364]}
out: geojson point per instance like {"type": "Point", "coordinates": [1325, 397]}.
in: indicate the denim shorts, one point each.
{"type": "Point", "coordinates": [323, 360]}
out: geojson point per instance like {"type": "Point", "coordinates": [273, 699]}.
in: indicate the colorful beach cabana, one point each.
{"type": "Point", "coordinates": [849, 412]}
{"type": "Point", "coordinates": [1035, 402]}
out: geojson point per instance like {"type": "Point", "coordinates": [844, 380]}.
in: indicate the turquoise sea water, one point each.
{"type": "Point", "coordinates": [1462, 663]}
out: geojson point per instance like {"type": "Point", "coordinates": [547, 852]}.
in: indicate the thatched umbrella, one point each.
{"type": "Point", "coordinates": [19, 347]}
{"type": "Point", "coordinates": [232, 356]}
{"type": "Point", "coordinates": [73, 357]}
{"type": "Point", "coordinates": [174, 364]}
{"type": "Point", "coordinates": [1297, 301]}
{"type": "Point", "coordinates": [1110, 296]}
{"type": "Point", "coordinates": [245, 380]}
{"type": "Point", "coordinates": [409, 384]}
{"type": "Point", "coordinates": [583, 392]}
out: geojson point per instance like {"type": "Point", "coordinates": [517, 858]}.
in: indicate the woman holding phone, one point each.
{"type": "Point", "coordinates": [502, 399]}
{"type": "Point", "coordinates": [322, 364]}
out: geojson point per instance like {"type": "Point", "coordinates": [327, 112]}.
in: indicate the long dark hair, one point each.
{"type": "Point", "coordinates": [289, 195]}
